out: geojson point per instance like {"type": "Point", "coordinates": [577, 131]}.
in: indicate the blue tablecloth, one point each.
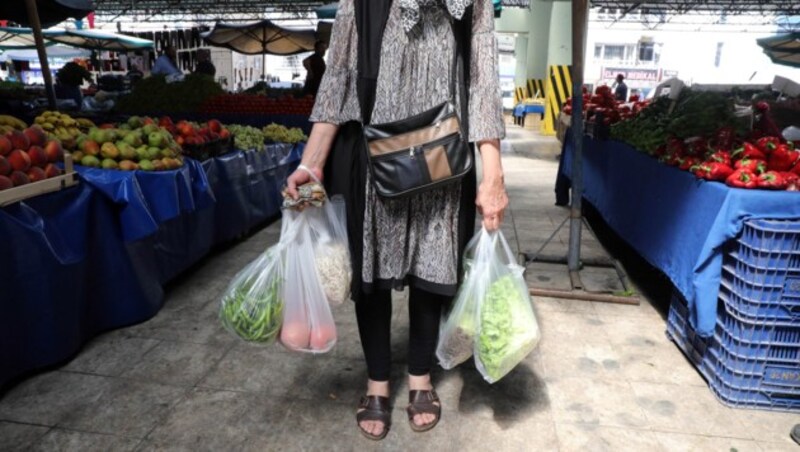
{"type": "Point", "coordinates": [95, 257]}
{"type": "Point", "coordinates": [523, 109]}
{"type": "Point", "coordinates": [677, 222]}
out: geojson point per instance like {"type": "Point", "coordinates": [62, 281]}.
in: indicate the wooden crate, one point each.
{"type": "Point", "coordinates": [16, 194]}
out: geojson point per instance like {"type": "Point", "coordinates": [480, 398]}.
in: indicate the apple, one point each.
{"type": "Point", "coordinates": [36, 174]}
{"type": "Point", "coordinates": [135, 122]}
{"type": "Point", "coordinates": [54, 151]}
{"type": "Point", "coordinates": [91, 147]}
{"type": "Point", "coordinates": [38, 156]}
{"type": "Point", "coordinates": [147, 120]}
{"type": "Point", "coordinates": [165, 121]}
{"type": "Point", "coordinates": [155, 139]}
{"type": "Point", "coordinates": [19, 178]}
{"type": "Point", "coordinates": [109, 164]}
{"type": "Point", "coordinates": [5, 167]}
{"type": "Point", "coordinates": [19, 160]}
{"type": "Point", "coordinates": [215, 125]}
{"type": "Point", "coordinates": [51, 171]}
{"type": "Point", "coordinates": [109, 151]}
{"type": "Point", "coordinates": [150, 128]}
{"type": "Point", "coordinates": [18, 140]}
{"type": "Point", "coordinates": [90, 161]}
{"type": "Point", "coordinates": [134, 139]}
{"type": "Point", "coordinates": [224, 134]}
{"type": "Point", "coordinates": [5, 183]}
{"type": "Point", "coordinates": [5, 145]}
{"type": "Point", "coordinates": [36, 135]}
{"type": "Point", "coordinates": [128, 165]}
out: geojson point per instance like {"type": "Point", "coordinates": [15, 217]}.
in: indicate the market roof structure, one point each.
{"type": "Point", "coordinates": [729, 7]}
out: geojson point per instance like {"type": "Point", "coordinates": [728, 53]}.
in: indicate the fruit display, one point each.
{"type": "Point", "coordinates": [604, 105]}
{"type": "Point", "coordinates": [63, 127]}
{"type": "Point", "coordinates": [9, 123]}
{"type": "Point", "coordinates": [247, 137]}
{"type": "Point", "coordinates": [199, 141]}
{"type": "Point", "coordinates": [257, 104]}
{"type": "Point", "coordinates": [280, 134]}
{"type": "Point", "coordinates": [154, 94]}
{"type": "Point", "coordinates": [133, 145]}
{"type": "Point", "coordinates": [28, 156]}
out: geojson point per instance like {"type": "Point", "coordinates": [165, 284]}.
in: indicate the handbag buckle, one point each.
{"type": "Point", "coordinates": [411, 153]}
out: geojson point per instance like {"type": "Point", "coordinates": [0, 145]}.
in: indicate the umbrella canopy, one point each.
{"type": "Point", "coordinates": [97, 40]}
{"type": "Point", "coordinates": [261, 38]}
{"type": "Point", "coordinates": [16, 38]}
{"type": "Point", "coordinates": [51, 12]}
{"type": "Point", "coordinates": [52, 52]}
{"type": "Point", "coordinates": [783, 49]}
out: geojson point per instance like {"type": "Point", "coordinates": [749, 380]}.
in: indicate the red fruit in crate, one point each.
{"type": "Point", "coordinates": [19, 178]}
{"type": "Point", "coordinates": [107, 126]}
{"type": "Point", "coordinates": [54, 151]}
{"type": "Point", "coordinates": [147, 121]}
{"type": "Point", "coordinates": [165, 121]}
{"type": "Point", "coordinates": [5, 183]}
{"type": "Point", "coordinates": [36, 135]}
{"type": "Point", "coordinates": [19, 160]}
{"type": "Point", "coordinates": [51, 171]}
{"type": "Point", "coordinates": [18, 140]}
{"type": "Point", "coordinates": [180, 140]}
{"type": "Point", "coordinates": [214, 125]}
{"type": "Point", "coordinates": [38, 156]}
{"type": "Point", "coordinates": [5, 167]}
{"type": "Point", "coordinates": [36, 174]}
{"type": "Point", "coordinates": [5, 145]}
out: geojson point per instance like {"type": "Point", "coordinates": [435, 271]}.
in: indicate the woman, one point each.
{"type": "Point", "coordinates": [405, 68]}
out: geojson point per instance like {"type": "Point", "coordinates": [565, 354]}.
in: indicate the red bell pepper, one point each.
{"type": "Point", "coordinates": [742, 178]}
{"type": "Point", "coordinates": [772, 180]}
{"type": "Point", "coordinates": [768, 144]}
{"type": "Point", "coordinates": [713, 171]}
{"type": "Point", "coordinates": [792, 181]}
{"type": "Point", "coordinates": [721, 157]}
{"type": "Point", "coordinates": [749, 150]}
{"type": "Point", "coordinates": [762, 106]}
{"type": "Point", "coordinates": [676, 146]}
{"type": "Point", "coordinates": [783, 158]}
{"type": "Point", "coordinates": [753, 165]}
{"type": "Point", "coordinates": [688, 162]}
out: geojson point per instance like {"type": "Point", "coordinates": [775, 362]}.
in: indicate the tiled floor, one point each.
{"type": "Point", "coordinates": [604, 377]}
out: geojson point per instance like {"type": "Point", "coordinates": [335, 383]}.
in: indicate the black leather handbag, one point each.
{"type": "Point", "coordinates": [420, 153]}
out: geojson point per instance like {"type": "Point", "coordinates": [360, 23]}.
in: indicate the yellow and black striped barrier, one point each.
{"type": "Point", "coordinates": [535, 88]}
{"type": "Point", "coordinates": [557, 91]}
{"type": "Point", "coordinates": [519, 95]}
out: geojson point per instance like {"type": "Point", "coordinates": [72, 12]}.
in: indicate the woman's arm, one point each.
{"type": "Point", "coordinates": [314, 156]}
{"type": "Point", "coordinates": [486, 114]}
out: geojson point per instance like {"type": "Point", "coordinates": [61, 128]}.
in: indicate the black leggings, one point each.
{"type": "Point", "coordinates": [374, 315]}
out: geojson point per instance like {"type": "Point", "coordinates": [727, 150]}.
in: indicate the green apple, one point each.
{"type": "Point", "coordinates": [134, 139]}
{"type": "Point", "coordinates": [141, 153]}
{"type": "Point", "coordinates": [150, 128]}
{"type": "Point", "coordinates": [135, 122]}
{"type": "Point", "coordinates": [155, 139]}
{"type": "Point", "coordinates": [109, 164]}
{"type": "Point", "coordinates": [91, 161]}
{"type": "Point", "coordinates": [145, 165]}
{"type": "Point", "coordinates": [153, 152]}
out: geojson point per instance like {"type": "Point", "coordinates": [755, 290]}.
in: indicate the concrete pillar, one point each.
{"type": "Point", "coordinates": [539, 30]}
{"type": "Point", "coordinates": [559, 48]}
{"type": "Point", "coordinates": [521, 52]}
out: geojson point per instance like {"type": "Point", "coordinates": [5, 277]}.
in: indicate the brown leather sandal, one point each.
{"type": "Point", "coordinates": [376, 408]}
{"type": "Point", "coordinates": [422, 402]}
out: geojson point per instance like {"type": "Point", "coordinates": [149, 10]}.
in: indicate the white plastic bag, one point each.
{"type": "Point", "coordinates": [307, 322]}
{"type": "Point", "coordinates": [492, 308]}
{"type": "Point", "coordinates": [332, 250]}
{"type": "Point", "coordinates": [252, 306]}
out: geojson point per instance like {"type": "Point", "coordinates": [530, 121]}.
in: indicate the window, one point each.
{"type": "Point", "coordinates": [647, 51]}
{"type": "Point", "coordinates": [598, 52]}
{"type": "Point", "coordinates": [614, 53]}
{"type": "Point", "coordinates": [718, 57]}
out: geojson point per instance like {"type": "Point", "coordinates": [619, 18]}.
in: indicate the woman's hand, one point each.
{"type": "Point", "coordinates": [492, 199]}
{"type": "Point", "coordinates": [300, 177]}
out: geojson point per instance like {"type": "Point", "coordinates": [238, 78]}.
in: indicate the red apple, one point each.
{"type": "Point", "coordinates": [36, 174]}
{"type": "Point", "coordinates": [5, 183]}
{"type": "Point", "coordinates": [19, 178]}
{"type": "Point", "coordinates": [54, 151]}
{"type": "Point", "coordinates": [18, 140]}
{"type": "Point", "coordinates": [36, 135]}
{"type": "Point", "coordinates": [147, 121]}
{"type": "Point", "coordinates": [5, 145]}
{"type": "Point", "coordinates": [19, 160]}
{"type": "Point", "coordinates": [107, 126]}
{"type": "Point", "coordinates": [5, 167]}
{"type": "Point", "coordinates": [224, 134]}
{"type": "Point", "coordinates": [52, 171]}
{"type": "Point", "coordinates": [165, 121]}
{"type": "Point", "coordinates": [38, 156]}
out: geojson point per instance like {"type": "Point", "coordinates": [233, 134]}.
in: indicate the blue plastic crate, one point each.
{"type": "Point", "coordinates": [755, 302]}
{"type": "Point", "coordinates": [768, 243]}
{"type": "Point", "coordinates": [746, 363]}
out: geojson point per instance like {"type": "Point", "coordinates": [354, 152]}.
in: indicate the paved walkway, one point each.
{"type": "Point", "coordinates": [604, 378]}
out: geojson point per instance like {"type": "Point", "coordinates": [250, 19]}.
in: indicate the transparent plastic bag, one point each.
{"type": "Point", "coordinates": [331, 248]}
{"type": "Point", "coordinates": [252, 306]}
{"type": "Point", "coordinates": [308, 324]}
{"type": "Point", "coordinates": [493, 308]}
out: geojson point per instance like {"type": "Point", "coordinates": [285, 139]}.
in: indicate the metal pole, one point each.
{"type": "Point", "coordinates": [36, 25]}
{"type": "Point", "coordinates": [579, 16]}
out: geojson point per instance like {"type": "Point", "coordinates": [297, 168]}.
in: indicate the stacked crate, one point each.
{"type": "Point", "coordinates": [753, 358]}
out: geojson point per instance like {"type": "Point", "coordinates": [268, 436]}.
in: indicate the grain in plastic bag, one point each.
{"type": "Point", "coordinates": [331, 248]}
{"type": "Point", "coordinates": [308, 324]}
{"type": "Point", "coordinates": [252, 305]}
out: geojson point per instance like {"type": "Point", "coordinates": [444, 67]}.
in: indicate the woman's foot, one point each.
{"type": "Point", "coordinates": [424, 420]}
{"type": "Point", "coordinates": [375, 429]}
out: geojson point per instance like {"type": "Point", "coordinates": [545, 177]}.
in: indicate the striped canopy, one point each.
{"type": "Point", "coordinates": [783, 49]}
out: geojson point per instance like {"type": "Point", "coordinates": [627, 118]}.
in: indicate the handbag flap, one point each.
{"type": "Point", "coordinates": [424, 119]}
{"type": "Point", "coordinates": [419, 137]}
